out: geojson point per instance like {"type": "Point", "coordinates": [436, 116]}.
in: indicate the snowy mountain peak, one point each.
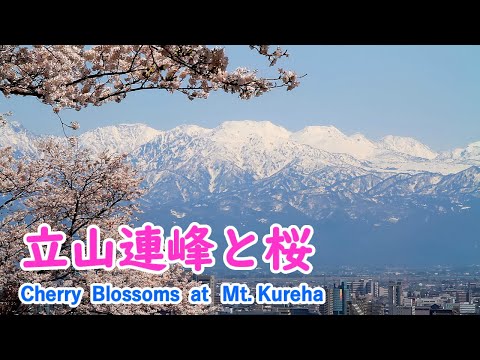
{"type": "Point", "coordinates": [472, 151]}
{"type": "Point", "coordinates": [359, 137]}
{"type": "Point", "coordinates": [467, 155]}
{"type": "Point", "coordinates": [407, 145]}
{"type": "Point", "coordinates": [133, 125]}
{"type": "Point", "coordinates": [321, 130]}
{"type": "Point", "coordinates": [317, 135]}
{"type": "Point", "coordinates": [475, 144]}
{"type": "Point", "coordinates": [15, 135]}
{"type": "Point", "coordinates": [260, 148]}
{"type": "Point", "coordinates": [15, 125]}
{"type": "Point", "coordinates": [244, 129]}
{"type": "Point", "coordinates": [190, 130]}
{"type": "Point", "coordinates": [122, 138]}
{"type": "Point", "coordinates": [329, 138]}
{"type": "Point", "coordinates": [12, 127]}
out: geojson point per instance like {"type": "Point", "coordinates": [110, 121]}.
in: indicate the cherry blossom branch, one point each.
{"type": "Point", "coordinates": [72, 76]}
{"type": "Point", "coordinates": [74, 125]}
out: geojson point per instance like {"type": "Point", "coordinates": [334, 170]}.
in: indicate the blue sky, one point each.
{"type": "Point", "coordinates": [431, 93]}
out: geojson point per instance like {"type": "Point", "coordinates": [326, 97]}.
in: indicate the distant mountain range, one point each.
{"type": "Point", "coordinates": [384, 201]}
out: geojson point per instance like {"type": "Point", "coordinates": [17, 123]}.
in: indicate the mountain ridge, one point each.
{"type": "Point", "coordinates": [399, 144]}
{"type": "Point", "coordinates": [252, 174]}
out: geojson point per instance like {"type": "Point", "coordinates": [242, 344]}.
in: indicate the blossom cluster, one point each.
{"type": "Point", "coordinates": [74, 76]}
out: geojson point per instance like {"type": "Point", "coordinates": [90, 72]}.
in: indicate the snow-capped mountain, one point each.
{"type": "Point", "coordinates": [394, 153]}
{"type": "Point", "coordinates": [251, 162]}
{"type": "Point", "coordinates": [244, 152]}
{"type": "Point", "coordinates": [255, 149]}
{"type": "Point", "coordinates": [468, 155]}
{"type": "Point", "coordinates": [123, 138]}
{"type": "Point", "coordinates": [406, 145]}
{"type": "Point", "coordinates": [14, 135]}
{"type": "Point", "coordinates": [331, 139]}
{"type": "Point", "coordinates": [252, 174]}
{"type": "Point", "coordinates": [464, 182]}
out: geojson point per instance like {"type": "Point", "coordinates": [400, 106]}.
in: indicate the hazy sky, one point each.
{"type": "Point", "coordinates": [431, 93]}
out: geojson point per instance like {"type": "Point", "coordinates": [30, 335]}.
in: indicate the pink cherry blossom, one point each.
{"type": "Point", "coordinates": [70, 189]}
{"type": "Point", "coordinates": [75, 76]}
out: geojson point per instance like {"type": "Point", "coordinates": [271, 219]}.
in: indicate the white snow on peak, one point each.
{"type": "Point", "coordinates": [16, 125]}
{"type": "Point", "coordinates": [246, 129]}
{"type": "Point", "coordinates": [473, 151]}
{"type": "Point", "coordinates": [191, 130]}
{"type": "Point", "coordinates": [123, 138]}
{"type": "Point", "coordinates": [131, 125]}
{"type": "Point", "coordinates": [407, 145]}
{"type": "Point", "coordinates": [330, 139]}
{"type": "Point", "coordinates": [469, 154]}
{"type": "Point", "coordinates": [392, 153]}
{"type": "Point", "coordinates": [15, 135]}
{"type": "Point", "coordinates": [259, 147]}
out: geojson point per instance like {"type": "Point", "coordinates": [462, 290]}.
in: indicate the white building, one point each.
{"type": "Point", "coordinates": [466, 309]}
{"type": "Point", "coordinates": [428, 301]}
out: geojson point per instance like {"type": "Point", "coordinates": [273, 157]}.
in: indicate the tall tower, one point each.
{"type": "Point", "coordinates": [471, 288]}
{"type": "Point", "coordinates": [371, 287]}
{"type": "Point", "coordinates": [341, 297]}
{"type": "Point", "coordinates": [327, 308]}
{"type": "Point", "coordinates": [399, 293]}
{"type": "Point", "coordinates": [395, 295]}
{"type": "Point", "coordinates": [391, 296]}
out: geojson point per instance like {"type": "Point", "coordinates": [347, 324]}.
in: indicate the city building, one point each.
{"type": "Point", "coordinates": [467, 309]}
{"type": "Point", "coordinates": [327, 308]}
{"type": "Point", "coordinates": [371, 287]}
{"type": "Point", "coordinates": [355, 309]}
{"type": "Point", "coordinates": [375, 307]}
{"type": "Point", "coordinates": [461, 296]}
{"type": "Point", "coordinates": [357, 288]}
{"type": "Point", "coordinates": [210, 281]}
{"type": "Point", "coordinates": [436, 309]}
{"type": "Point", "coordinates": [300, 311]}
{"type": "Point", "coordinates": [382, 291]}
{"type": "Point", "coordinates": [395, 295]}
{"type": "Point", "coordinates": [422, 310]}
{"type": "Point", "coordinates": [341, 297]}
{"type": "Point", "coordinates": [403, 310]}
{"type": "Point", "coordinates": [471, 289]}
{"type": "Point", "coordinates": [408, 302]}
{"type": "Point", "coordinates": [399, 294]}
{"type": "Point", "coordinates": [428, 301]}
